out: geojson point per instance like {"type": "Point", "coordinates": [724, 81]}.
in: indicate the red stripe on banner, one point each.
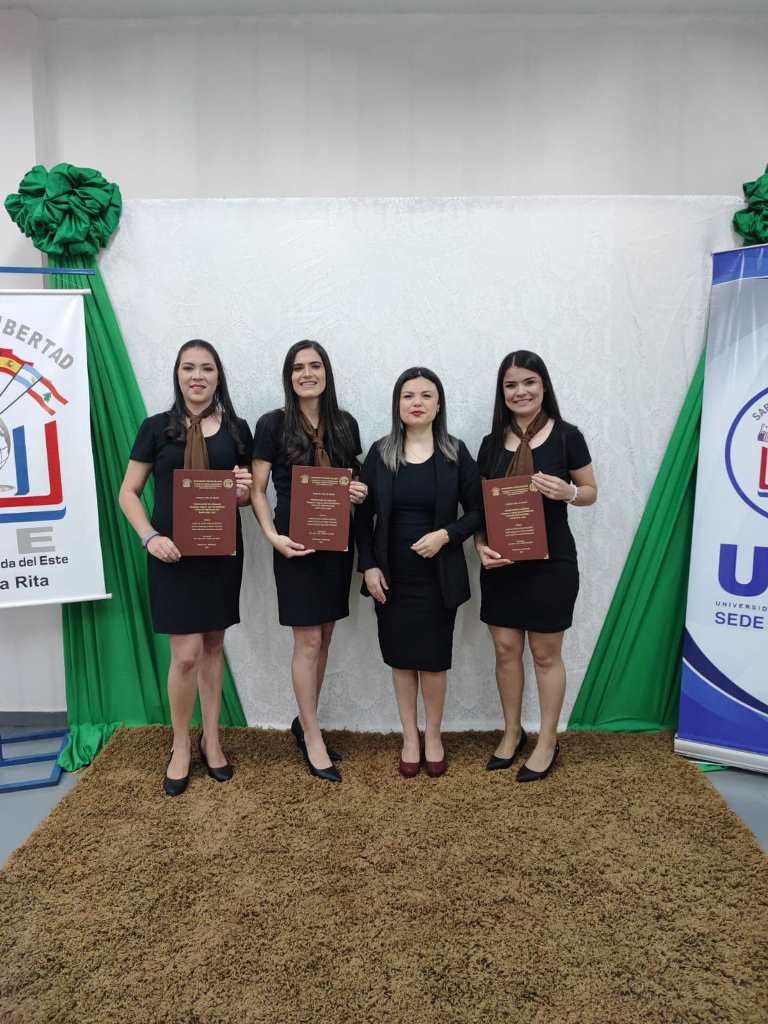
{"type": "Point", "coordinates": [55, 494]}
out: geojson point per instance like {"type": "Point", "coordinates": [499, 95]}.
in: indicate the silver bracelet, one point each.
{"type": "Point", "coordinates": [150, 535]}
{"type": "Point", "coordinates": [570, 501]}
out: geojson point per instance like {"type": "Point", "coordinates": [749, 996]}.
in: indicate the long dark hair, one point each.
{"type": "Point", "coordinates": [177, 422]}
{"type": "Point", "coordinates": [338, 439]}
{"type": "Point", "coordinates": [392, 447]}
{"type": "Point", "coordinates": [502, 417]}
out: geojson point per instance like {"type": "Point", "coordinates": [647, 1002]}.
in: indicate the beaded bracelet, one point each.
{"type": "Point", "coordinates": [570, 501]}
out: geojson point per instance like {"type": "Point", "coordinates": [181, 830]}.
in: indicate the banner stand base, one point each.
{"type": "Point", "coordinates": [746, 759]}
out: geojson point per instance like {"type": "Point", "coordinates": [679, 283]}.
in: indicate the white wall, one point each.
{"type": "Point", "coordinates": [411, 104]}
{"type": "Point", "coordinates": [345, 105]}
{"type": "Point", "coordinates": [21, 95]}
{"type": "Point", "coordinates": [31, 652]}
{"type": "Point", "coordinates": [613, 292]}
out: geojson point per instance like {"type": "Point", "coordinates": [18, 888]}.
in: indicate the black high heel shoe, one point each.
{"type": "Point", "coordinates": [175, 787]}
{"type": "Point", "coordinates": [298, 735]}
{"type": "Point", "coordinates": [331, 774]}
{"type": "Point", "coordinates": [496, 764]}
{"type": "Point", "coordinates": [527, 774]}
{"type": "Point", "coordinates": [223, 774]}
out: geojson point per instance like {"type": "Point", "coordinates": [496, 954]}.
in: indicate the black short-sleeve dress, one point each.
{"type": "Point", "coordinates": [314, 589]}
{"type": "Point", "coordinates": [200, 594]}
{"type": "Point", "coordinates": [538, 595]}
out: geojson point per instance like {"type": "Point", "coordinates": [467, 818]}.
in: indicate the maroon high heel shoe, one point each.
{"type": "Point", "coordinates": [435, 769]}
{"type": "Point", "coordinates": [410, 769]}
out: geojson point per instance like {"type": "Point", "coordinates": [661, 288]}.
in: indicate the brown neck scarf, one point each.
{"type": "Point", "coordinates": [521, 463]}
{"type": "Point", "coordinates": [195, 448]}
{"type": "Point", "coordinates": [317, 437]}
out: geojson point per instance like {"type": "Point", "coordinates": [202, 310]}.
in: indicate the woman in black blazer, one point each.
{"type": "Point", "coordinates": [412, 555]}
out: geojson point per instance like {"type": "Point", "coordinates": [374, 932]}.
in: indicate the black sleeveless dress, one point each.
{"type": "Point", "coordinates": [538, 595]}
{"type": "Point", "coordinates": [199, 594]}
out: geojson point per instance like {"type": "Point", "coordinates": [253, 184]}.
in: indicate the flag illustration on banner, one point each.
{"type": "Point", "coordinates": [25, 379]}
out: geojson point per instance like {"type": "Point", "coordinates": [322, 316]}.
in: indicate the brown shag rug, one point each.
{"type": "Point", "coordinates": [621, 889]}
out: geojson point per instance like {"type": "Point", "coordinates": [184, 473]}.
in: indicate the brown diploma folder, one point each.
{"type": "Point", "coordinates": [204, 511]}
{"type": "Point", "coordinates": [320, 507]}
{"type": "Point", "coordinates": [514, 519]}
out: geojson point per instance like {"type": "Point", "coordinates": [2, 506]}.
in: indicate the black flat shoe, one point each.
{"type": "Point", "coordinates": [175, 787]}
{"type": "Point", "coordinates": [497, 764]}
{"type": "Point", "coordinates": [298, 735]}
{"type": "Point", "coordinates": [527, 774]}
{"type": "Point", "coordinates": [223, 774]}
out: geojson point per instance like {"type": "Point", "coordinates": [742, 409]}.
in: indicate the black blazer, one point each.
{"type": "Point", "coordinates": [456, 482]}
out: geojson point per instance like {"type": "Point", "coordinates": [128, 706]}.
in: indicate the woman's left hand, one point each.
{"type": "Point", "coordinates": [358, 492]}
{"type": "Point", "coordinates": [429, 545]}
{"type": "Point", "coordinates": [552, 487]}
{"type": "Point", "coordinates": [243, 481]}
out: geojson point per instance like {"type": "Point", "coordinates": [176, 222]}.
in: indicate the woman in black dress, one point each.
{"type": "Point", "coordinates": [413, 558]}
{"type": "Point", "coordinates": [192, 599]}
{"type": "Point", "coordinates": [312, 586]}
{"type": "Point", "coordinates": [535, 597]}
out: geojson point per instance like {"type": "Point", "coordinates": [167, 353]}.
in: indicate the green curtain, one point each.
{"type": "Point", "coordinates": [633, 679]}
{"type": "Point", "coordinates": [115, 666]}
{"type": "Point", "coordinates": [752, 223]}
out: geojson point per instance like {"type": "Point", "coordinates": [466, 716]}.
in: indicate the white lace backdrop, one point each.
{"type": "Point", "coordinates": [612, 292]}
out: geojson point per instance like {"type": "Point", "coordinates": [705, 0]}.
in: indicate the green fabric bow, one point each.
{"type": "Point", "coordinates": [752, 223]}
{"type": "Point", "coordinates": [67, 211]}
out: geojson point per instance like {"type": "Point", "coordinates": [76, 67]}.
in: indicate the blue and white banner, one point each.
{"type": "Point", "coordinates": [724, 687]}
{"type": "Point", "coordinates": [49, 525]}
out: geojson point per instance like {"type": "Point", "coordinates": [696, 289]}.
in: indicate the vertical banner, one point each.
{"type": "Point", "coordinates": [49, 528]}
{"type": "Point", "coordinates": [724, 685]}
